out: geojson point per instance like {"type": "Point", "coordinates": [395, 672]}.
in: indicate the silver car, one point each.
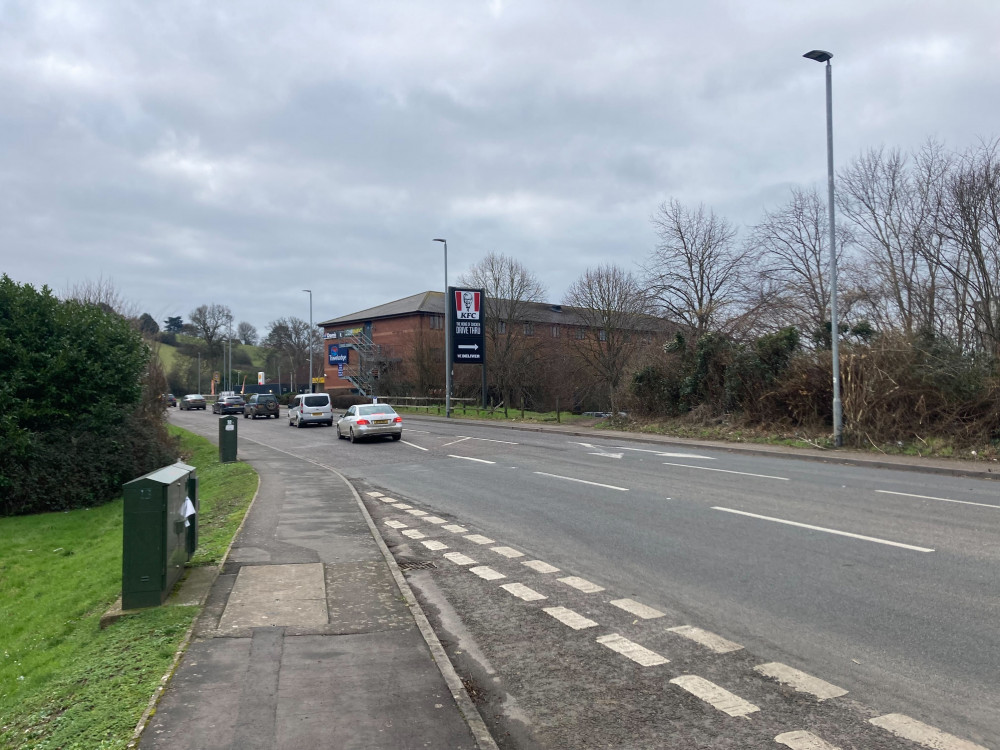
{"type": "Point", "coordinates": [368, 421]}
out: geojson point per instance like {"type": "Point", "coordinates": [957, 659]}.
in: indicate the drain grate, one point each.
{"type": "Point", "coordinates": [415, 564]}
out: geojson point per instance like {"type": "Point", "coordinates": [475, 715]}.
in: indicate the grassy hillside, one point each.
{"type": "Point", "coordinates": [168, 353]}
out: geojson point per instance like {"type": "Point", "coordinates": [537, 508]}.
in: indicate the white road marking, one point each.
{"type": "Point", "coordinates": [395, 524]}
{"type": "Point", "coordinates": [487, 573]}
{"type": "Point", "coordinates": [374, 494]}
{"type": "Point", "coordinates": [922, 734]}
{"type": "Point", "coordinates": [523, 592]}
{"type": "Point", "coordinates": [454, 528]}
{"type": "Point", "coordinates": [422, 432]}
{"type": "Point", "coordinates": [570, 618]}
{"type": "Point", "coordinates": [415, 512]}
{"type": "Point", "coordinates": [828, 531]}
{"type": "Point", "coordinates": [635, 608]}
{"type": "Point", "coordinates": [434, 519]}
{"type": "Point", "coordinates": [460, 440]}
{"type": "Point", "coordinates": [507, 551]}
{"type": "Point", "coordinates": [635, 652]}
{"type": "Point", "coordinates": [389, 500]}
{"type": "Point", "coordinates": [583, 481]}
{"type": "Point", "coordinates": [470, 458]}
{"type": "Point", "coordinates": [541, 567]}
{"type": "Point", "coordinates": [459, 559]}
{"type": "Point", "coordinates": [402, 506]}
{"type": "Point", "coordinates": [800, 681]}
{"type": "Point", "coordinates": [413, 534]}
{"type": "Point", "coordinates": [665, 455]}
{"type": "Point", "coordinates": [940, 499]}
{"type": "Point", "coordinates": [728, 471]}
{"type": "Point", "coordinates": [711, 641]}
{"type": "Point", "coordinates": [581, 584]}
{"type": "Point", "coordinates": [413, 445]}
{"type": "Point", "coordinates": [488, 440]}
{"type": "Point", "coordinates": [600, 451]}
{"type": "Point", "coordinates": [802, 740]}
{"type": "Point", "coordinates": [434, 545]}
{"type": "Point", "coordinates": [479, 539]}
{"type": "Point", "coordinates": [714, 695]}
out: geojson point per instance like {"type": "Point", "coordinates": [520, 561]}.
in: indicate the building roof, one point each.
{"type": "Point", "coordinates": [433, 303]}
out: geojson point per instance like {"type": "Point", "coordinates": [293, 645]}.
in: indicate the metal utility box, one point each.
{"type": "Point", "coordinates": [160, 533]}
{"type": "Point", "coordinates": [227, 439]}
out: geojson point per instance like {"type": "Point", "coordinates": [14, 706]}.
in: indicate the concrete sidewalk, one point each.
{"type": "Point", "coordinates": [310, 637]}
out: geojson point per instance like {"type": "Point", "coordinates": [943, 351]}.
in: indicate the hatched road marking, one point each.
{"type": "Point", "coordinates": [413, 445]}
{"type": "Point", "coordinates": [800, 681]}
{"type": "Point", "coordinates": [711, 641]}
{"type": "Point", "coordinates": [940, 499]}
{"type": "Point", "coordinates": [540, 567]}
{"type": "Point", "coordinates": [488, 440]}
{"type": "Point", "coordinates": [460, 440]}
{"type": "Point", "coordinates": [801, 740]}
{"type": "Point", "coordinates": [922, 734]}
{"type": "Point", "coordinates": [828, 531]}
{"type": "Point", "coordinates": [714, 695]}
{"type": "Point", "coordinates": [395, 524]}
{"type": "Point", "coordinates": [581, 584]}
{"type": "Point", "coordinates": [413, 533]}
{"type": "Point", "coordinates": [434, 545]}
{"type": "Point", "coordinates": [728, 471]}
{"type": "Point", "coordinates": [635, 608]}
{"type": "Point", "coordinates": [480, 539]}
{"type": "Point", "coordinates": [470, 458]}
{"type": "Point", "coordinates": [459, 559]}
{"type": "Point", "coordinates": [570, 618]}
{"type": "Point", "coordinates": [582, 481]}
{"type": "Point", "coordinates": [507, 551]}
{"type": "Point", "coordinates": [454, 528]}
{"type": "Point", "coordinates": [523, 592]}
{"type": "Point", "coordinates": [487, 573]}
{"type": "Point", "coordinates": [639, 654]}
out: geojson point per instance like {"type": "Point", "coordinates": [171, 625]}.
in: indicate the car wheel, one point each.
{"type": "Point", "coordinates": [298, 423]}
{"type": "Point", "coordinates": [397, 437]}
{"type": "Point", "coordinates": [353, 438]}
{"type": "Point", "coordinates": [339, 435]}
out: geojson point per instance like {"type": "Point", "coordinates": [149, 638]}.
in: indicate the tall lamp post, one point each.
{"type": "Point", "coordinates": [310, 339]}
{"type": "Point", "coordinates": [821, 56]}
{"type": "Point", "coordinates": [447, 334]}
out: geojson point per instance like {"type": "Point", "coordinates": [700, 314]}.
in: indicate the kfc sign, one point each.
{"type": "Point", "coordinates": [467, 318]}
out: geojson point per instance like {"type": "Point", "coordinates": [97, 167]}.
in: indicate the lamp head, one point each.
{"type": "Point", "coordinates": [819, 55]}
{"type": "Point", "coordinates": [437, 239]}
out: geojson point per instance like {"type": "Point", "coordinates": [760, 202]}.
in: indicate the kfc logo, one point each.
{"type": "Point", "coordinates": [467, 305]}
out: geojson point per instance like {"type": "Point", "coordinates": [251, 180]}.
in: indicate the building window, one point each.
{"type": "Point", "coordinates": [555, 331]}
{"type": "Point", "coordinates": [602, 335]}
{"type": "Point", "coordinates": [502, 326]}
{"type": "Point", "coordinates": [437, 322]}
{"type": "Point", "coordinates": [580, 332]}
{"type": "Point", "coordinates": [529, 329]}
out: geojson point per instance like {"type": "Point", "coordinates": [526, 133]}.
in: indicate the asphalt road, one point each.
{"type": "Point", "coordinates": [881, 582]}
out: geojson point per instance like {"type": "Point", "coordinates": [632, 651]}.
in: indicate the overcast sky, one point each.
{"type": "Point", "coordinates": [239, 152]}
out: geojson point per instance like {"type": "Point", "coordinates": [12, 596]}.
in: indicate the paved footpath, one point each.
{"type": "Point", "coordinates": [309, 637]}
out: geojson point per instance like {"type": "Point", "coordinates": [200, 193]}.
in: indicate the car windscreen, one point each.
{"type": "Point", "coordinates": [316, 400]}
{"type": "Point", "coordinates": [376, 409]}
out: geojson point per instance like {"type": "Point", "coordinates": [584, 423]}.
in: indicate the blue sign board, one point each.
{"type": "Point", "coordinates": [338, 355]}
{"type": "Point", "coordinates": [340, 371]}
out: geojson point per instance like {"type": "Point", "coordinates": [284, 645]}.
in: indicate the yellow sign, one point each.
{"type": "Point", "coordinates": [321, 379]}
{"type": "Point", "coordinates": [215, 377]}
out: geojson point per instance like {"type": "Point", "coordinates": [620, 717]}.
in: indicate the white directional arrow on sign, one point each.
{"type": "Point", "coordinates": [468, 346]}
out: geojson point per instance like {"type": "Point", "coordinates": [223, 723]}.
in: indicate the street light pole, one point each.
{"type": "Point", "coordinates": [447, 335]}
{"type": "Point", "coordinates": [838, 419]}
{"type": "Point", "coordinates": [310, 339]}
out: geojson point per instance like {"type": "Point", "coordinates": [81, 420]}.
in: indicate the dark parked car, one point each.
{"type": "Point", "coordinates": [192, 401]}
{"type": "Point", "coordinates": [228, 405]}
{"type": "Point", "coordinates": [261, 405]}
{"type": "Point", "coordinates": [169, 399]}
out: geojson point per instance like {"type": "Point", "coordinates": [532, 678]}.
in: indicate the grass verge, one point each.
{"type": "Point", "coordinates": [64, 682]}
{"type": "Point", "coordinates": [512, 415]}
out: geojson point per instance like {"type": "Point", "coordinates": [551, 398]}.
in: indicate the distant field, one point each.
{"type": "Point", "coordinates": [168, 354]}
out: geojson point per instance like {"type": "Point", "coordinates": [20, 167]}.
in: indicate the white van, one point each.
{"type": "Point", "coordinates": [310, 407]}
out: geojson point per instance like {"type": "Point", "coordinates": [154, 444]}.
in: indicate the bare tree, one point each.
{"type": "Point", "coordinates": [696, 272]}
{"type": "Point", "coordinates": [246, 333]}
{"type": "Point", "coordinates": [290, 338]}
{"type": "Point", "coordinates": [211, 322]}
{"type": "Point", "coordinates": [103, 293]}
{"type": "Point", "coordinates": [510, 288]}
{"type": "Point", "coordinates": [614, 306]}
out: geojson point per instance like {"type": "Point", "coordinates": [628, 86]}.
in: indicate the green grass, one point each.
{"type": "Point", "coordinates": [258, 356]}
{"type": "Point", "coordinates": [64, 682]}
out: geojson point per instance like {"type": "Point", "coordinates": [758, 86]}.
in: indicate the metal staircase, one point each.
{"type": "Point", "coordinates": [362, 373]}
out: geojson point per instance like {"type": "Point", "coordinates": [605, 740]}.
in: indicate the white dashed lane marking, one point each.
{"type": "Point", "coordinates": [488, 440]}
{"type": "Point", "coordinates": [802, 740]}
{"type": "Point", "coordinates": [714, 695]}
{"type": "Point", "coordinates": [374, 494]}
{"type": "Point", "coordinates": [454, 528]}
{"type": "Point", "coordinates": [415, 512]}
{"type": "Point", "coordinates": [434, 545]}
{"type": "Point", "coordinates": [413, 533]}
{"type": "Point", "coordinates": [941, 499]}
{"type": "Point", "coordinates": [487, 573]}
{"type": "Point", "coordinates": [402, 506]}
{"type": "Point", "coordinates": [581, 584]}
{"type": "Point", "coordinates": [540, 567]}
{"type": "Point", "coordinates": [480, 539]}
{"type": "Point", "coordinates": [507, 551]}
{"type": "Point", "coordinates": [727, 471]}
{"type": "Point", "coordinates": [459, 559]}
{"type": "Point", "coordinates": [470, 458]}
{"type": "Point", "coordinates": [395, 524]}
{"type": "Point", "coordinates": [828, 531]}
{"type": "Point", "coordinates": [434, 519]}
{"type": "Point", "coordinates": [583, 481]}
{"type": "Point", "coordinates": [523, 592]}
{"type": "Point", "coordinates": [570, 618]}
{"type": "Point", "coordinates": [389, 500]}
{"type": "Point", "coordinates": [635, 608]}
{"type": "Point", "coordinates": [413, 445]}
{"type": "Point", "coordinates": [922, 734]}
{"type": "Point", "coordinates": [800, 681]}
{"type": "Point", "coordinates": [711, 641]}
{"type": "Point", "coordinates": [639, 654]}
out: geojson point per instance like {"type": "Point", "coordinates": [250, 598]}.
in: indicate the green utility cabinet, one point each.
{"type": "Point", "coordinates": [227, 439]}
{"type": "Point", "coordinates": [160, 533]}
